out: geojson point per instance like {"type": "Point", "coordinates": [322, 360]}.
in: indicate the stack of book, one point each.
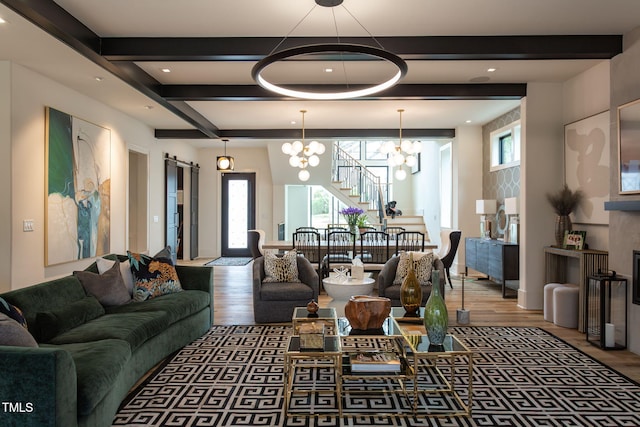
{"type": "Point", "coordinates": [375, 361]}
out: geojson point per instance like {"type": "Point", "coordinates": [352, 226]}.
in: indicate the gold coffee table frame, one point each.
{"type": "Point", "coordinates": [404, 336]}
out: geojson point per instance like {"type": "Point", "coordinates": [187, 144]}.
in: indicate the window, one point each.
{"type": "Point", "coordinates": [351, 147]}
{"type": "Point", "coordinates": [505, 147]}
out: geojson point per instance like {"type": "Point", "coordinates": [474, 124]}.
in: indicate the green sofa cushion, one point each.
{"type": "Point", "coordinates": [55, 322]}
{"type": "Point", "coordinates": [134, 328]}
{"type": "Point", "coordinates": [98, 365]}
{"type": "Point", "coordinates": [176, 306]}
{"type": "Point", "coordinates": [47, 296]}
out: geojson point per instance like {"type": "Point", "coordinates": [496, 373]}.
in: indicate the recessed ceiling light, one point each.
{"type": "Point", "coordinates": [148, 107]}
{"type": "Point", "coordinates": [99, 78]}
{"type": "Point", "coordinates": [293, 122]}
{"type": "Point", "coordinates": [2, 21]}
{"type": "Point", "coordinates": [328, 70]}
{"type": "Point", "coordinates": [166, 70]}
{"type": "Point", "coordinates": [491, 70]}
{"type": "Point", "coordinates": [467, 121]}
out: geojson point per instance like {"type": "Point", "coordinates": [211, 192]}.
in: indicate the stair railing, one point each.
{"type": "Point", "coordinates": [362, 182]}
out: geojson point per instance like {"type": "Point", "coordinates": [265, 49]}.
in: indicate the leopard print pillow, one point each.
{"type": "Point", "coordinates": [283, 269]}
{"type": "Point", "coordinates": [422, 264]}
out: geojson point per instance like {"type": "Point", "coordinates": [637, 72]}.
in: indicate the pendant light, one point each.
{"type": "Point", "coordinates": [303, 155]}
{"type": "Point", "coordinates": [404, 153]}
{"type": "Point", "coordinates": [225, 163]}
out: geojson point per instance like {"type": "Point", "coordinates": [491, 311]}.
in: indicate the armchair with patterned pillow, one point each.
{"type": "Point", "coordinates": [395, 269]}
{"type": "Point", "coordinates": [280, 284]}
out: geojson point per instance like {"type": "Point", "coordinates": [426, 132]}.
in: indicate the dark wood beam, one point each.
{"type": "Point", "coordinates": [48, 16]}
{"type": "Point", "coordinates": [409, 48]}
{"type": "Point", "coordinates": [471, 91]}
{"type": "Point", "coordinates": [309, 133]}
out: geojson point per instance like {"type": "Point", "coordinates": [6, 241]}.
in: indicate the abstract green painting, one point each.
{"type": "Point", "coordinates": [78, 184]}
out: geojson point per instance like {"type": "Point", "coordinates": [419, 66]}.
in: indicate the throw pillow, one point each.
{"type": "Point", "coordinates": [108, 288]}
{"type": "Point", "coordinates": [52, 323]}
{"type": "Point", "coordinates": [12, 333]}
{"type": "Point", "coordinates": [13, 312]}
{"type": "Point", "coordinates": [125, 270]}
{"type": "Point", "coordinates": [283, 269]}
{"type": "Point", "coordinates": [165, 253]}
{"type": "Point", "coordinates": [154, 276]}
{"type": "Point", "coordinates": [422, 264]}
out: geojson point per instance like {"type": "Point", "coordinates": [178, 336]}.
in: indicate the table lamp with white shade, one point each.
{"type": "Point", "coordinates": [512, 210]}
{"type": "Point", "coordinates": [486, 208]}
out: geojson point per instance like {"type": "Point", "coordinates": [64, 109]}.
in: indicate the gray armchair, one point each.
{"type": "Point", "coordinates": [387, 289]}
{"type": "Point", "coordinates": [274, 302]}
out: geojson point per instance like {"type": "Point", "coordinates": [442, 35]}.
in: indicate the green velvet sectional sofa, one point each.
{"type": "Point", "coordinates": [80, 376]}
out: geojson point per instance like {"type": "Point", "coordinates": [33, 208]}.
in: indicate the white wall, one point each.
{"type": "Point", "coordinates": [467, 184]}
{"type": "Point", "coordinates": [5, 176]}
{"type": "Point", "coordinates": [583, 96]}
{"type": "Point", "coordinates": [426, 189]}
{"type": "Point", "coordinates": [246, 160]}
{"type": "Point", "coordinates": [30, 94]}
{"type": "Point", "coordinates": [541, 171]}
{"type": "Point", "coordinates": [624, 227]}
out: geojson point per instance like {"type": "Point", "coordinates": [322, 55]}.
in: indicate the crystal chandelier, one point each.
{"type": "Point", "coordinates": [402, 154]}
{"type": "Point", "coordinates": [303, 155]}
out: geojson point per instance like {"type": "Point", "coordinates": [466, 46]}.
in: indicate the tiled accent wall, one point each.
{"type": "Point", "coordinates": [506, 182]}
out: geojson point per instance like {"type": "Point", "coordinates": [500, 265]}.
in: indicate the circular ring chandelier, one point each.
{"type": "Point", "coordinates": [330, 91]}
{"type": "Point", "coordinates": [401, 65]}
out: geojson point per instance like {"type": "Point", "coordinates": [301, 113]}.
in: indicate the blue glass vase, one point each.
{"type": "Point", "coordinates": [436, 317]}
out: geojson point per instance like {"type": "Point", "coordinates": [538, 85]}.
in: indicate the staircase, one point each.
{"type": "Point", "coordinates": [357, 186]}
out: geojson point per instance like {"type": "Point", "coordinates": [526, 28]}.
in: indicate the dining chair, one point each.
{"type": "Point", "coordinates": [374, 247]}
{"type": "Point", "coordinates": [412, 241]}
{"type": "Point", "coordinates": [447, 260]}
{"type": "Point", "coordinates": [341, 248]}
{"type": "Point", "coordinates": [393, 231]}
{"type": "Point", "coordinates": [307, 244]}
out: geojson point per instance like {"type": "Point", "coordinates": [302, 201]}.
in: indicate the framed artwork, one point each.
{"type": "Point", "coordinates": [629, 147]}
{"type": "Point", "coordinates": [416, 168]}
{"type": "Point", "coordinates": [78, 188]}
{"type": "Point", "coordinates": [586, 160]}
{"type": "Point", "coordinates": [575, 239]}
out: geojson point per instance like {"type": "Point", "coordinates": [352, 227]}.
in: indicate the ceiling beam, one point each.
{"type": "Point", "coordinates": [470, 91]}
{"type": "Point", "coordinates": [409, 48]}
{"type": "Point", "coordinates": [309, 133]}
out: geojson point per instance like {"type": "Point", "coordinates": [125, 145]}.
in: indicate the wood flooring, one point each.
{"type": "Point", "coordinates": [483, 299]}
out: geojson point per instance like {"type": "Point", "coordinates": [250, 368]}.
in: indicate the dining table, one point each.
{"type": "Point", "coordinates": [285, 245]}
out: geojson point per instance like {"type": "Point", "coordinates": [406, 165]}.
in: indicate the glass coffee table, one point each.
{"type": "Point", "coordinates": [425, 371]}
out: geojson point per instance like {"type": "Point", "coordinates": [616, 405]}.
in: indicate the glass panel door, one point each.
{"type": "Point", "coordinates": [238, 213]}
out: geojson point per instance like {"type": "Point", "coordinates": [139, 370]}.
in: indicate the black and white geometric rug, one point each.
{"type": "Point", "coordinates": [233, 376]}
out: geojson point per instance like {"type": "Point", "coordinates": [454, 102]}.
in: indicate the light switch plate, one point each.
{"type": "Point", "coordinates": [27, 225]}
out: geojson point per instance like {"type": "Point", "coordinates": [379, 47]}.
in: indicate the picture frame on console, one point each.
{"type": "Point", "coordinates": [629, 148]}
{"type": "Point", "coordinates": [575, 239]}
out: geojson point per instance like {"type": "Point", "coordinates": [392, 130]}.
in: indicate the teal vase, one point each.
{"type": "Point", "coordinates": [436, 317]}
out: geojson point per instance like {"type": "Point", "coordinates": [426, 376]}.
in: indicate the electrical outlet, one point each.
{"type": "Point", "coordinates": [156, 218]}
{"type": "Point", "coordinates": [27, 225]}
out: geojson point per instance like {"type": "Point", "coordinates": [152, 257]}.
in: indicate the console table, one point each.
{"type": "Point", "coordinates": [495, 258]}
{"type": "Point", "coordinates": [590, 261]}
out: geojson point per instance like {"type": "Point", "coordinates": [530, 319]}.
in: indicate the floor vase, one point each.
{"type": "Point", "coordinates": [436, 317]}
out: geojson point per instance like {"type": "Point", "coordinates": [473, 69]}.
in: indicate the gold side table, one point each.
{"type": "Point", "coordinates": [330, 356]}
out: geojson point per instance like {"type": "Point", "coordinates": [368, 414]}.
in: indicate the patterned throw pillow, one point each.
{"type": "Point", "coordinates": [13, 312]}
{"type": "Point", "coordinates": [283, 269]}
{"type": "Point", "coordinates": [422, 264]}
{"type": "Point", "coordinates": [154, 276]}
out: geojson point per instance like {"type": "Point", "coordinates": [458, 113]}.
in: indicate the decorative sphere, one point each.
{"type": "Point", "coordinates": [304, 175]}
{"type": "Point", "coordinates": [297, 147]}
{"type": "Point", "coordinates": [320, 148]}
{"type": "Point", "coordinates": [223, 163]}
{"type": "Point", "coordinates": [286, 148]}
{"type": "Point", "coordinates": [400, 174]}
{"type": "Point", "coordinates": [411, 161]}
{"type": "Point", "coordinates": [294, 161]}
